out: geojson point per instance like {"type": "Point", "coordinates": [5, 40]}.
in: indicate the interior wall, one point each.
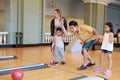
{"type": "Point", "coordinates": [1, 20]}
{"type": "Point", "coordinates": [70, 9]}
{"type": "Point", "coordinates": [31, 21]}
{"type": "Point", "coordinates": [2, 4]}
{"type": "Point", "coordinates": [113, 15]}
{"type": "Point", "coordinates": [33, 17]}
{"type": "Point", "coordinates": [2, 8]}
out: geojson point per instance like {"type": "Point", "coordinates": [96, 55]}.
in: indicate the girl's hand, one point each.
{"type": "Point", "coordinates": [111, 35]}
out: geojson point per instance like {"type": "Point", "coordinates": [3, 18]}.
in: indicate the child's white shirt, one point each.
{"type": "Point", "coordinates": [59, 42]}
{"type": "Point", "coordinates": [106, 43]}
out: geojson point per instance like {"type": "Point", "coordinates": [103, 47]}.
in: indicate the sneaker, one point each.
{"type": "Point", "coordinates": [63, 62]}
{"type": "Point", "coordinates": [107, 72]}
{"type": "Point", "coordinates": [98, 70]}
{"type": "Point", "coordinates": [56, 63]}
{"type": "Point", "coordinates": [90, 64]}
{"type": "Point", "coordinates": [82, 68]}
{"type": "Point", "coordinates": [52, 63]}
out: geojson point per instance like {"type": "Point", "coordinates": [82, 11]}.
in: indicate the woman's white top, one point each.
{"type": "Point", "coordinates": [59, 42]}
{"type": "Point", "coordinates": [106, 43]}
{"type": "Point", "coordinates": [57, 24]}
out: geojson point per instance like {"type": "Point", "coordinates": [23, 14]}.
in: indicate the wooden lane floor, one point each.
{"type": "Point", "coordinates": [37, 55]}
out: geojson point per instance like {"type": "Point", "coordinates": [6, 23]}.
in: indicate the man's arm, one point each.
{"type": "Point", "coordinates": [95, 32]}
{"type": "Point", "coordinates": [64, 30]}
{"type": "Point", "coordinates": [97, 35]}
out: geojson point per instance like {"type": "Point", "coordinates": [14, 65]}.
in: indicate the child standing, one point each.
{"type": "Point", "coordinates": [107, 48]}
{"type": "Point", "coordinates": [59, 46]}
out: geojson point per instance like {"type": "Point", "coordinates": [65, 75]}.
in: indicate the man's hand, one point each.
{"type": "Point", "coordinates": [99, 39]}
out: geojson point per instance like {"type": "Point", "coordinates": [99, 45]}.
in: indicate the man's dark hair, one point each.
{"type": "Point", "coordinates": [59, 29]}
{"type": "Point", "coordinates": [73, 23]}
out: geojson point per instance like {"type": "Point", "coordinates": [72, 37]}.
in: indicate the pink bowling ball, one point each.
{"type": "Point", "coordinates": [17, 74]}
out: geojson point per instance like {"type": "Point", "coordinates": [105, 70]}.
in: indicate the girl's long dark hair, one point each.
{"type": "Point", "coordinates": [110, 25]}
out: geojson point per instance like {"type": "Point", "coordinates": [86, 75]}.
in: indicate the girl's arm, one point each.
{"type": "Point", "coordinates": [111, 37]}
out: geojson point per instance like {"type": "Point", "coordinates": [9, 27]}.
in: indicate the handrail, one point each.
{"type": "Point", "coordinates": [67, 38]}
{"type": "Point", "coordinates": [3, 36]}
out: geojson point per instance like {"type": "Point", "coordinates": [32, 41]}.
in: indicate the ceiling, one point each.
{"type": "Point", "coordinates": [116, 3]}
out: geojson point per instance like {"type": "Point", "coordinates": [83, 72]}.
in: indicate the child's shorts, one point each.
{"type": "Point", "coordinates": [106, 51]}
